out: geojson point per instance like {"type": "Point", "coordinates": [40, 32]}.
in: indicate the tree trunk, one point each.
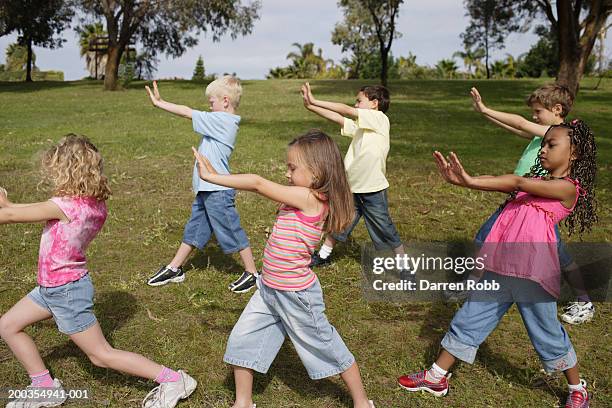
{"type": "Point", "coordinates": [29, 63]}
{"type": "Point", "coordinates": [385, 67]}
{"type": "Point", "coordinates": [111, 72]}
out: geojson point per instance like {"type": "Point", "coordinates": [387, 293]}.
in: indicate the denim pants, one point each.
{"type": "Point", "coordinates": [476, 319]}
{"type": "Point", "coordinates": [271, 315]}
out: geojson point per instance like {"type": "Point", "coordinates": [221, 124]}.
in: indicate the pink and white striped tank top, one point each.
{"type": "Point", "coordinates": [288, 251]}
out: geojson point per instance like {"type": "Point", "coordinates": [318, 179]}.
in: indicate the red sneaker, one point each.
{"type": "Point", "coordinates": [578, 399]}
{"type": "Point", "coordinates": [417, 382]}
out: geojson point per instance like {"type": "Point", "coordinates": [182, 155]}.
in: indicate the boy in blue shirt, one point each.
{"type": "Point", "coordinates": [214, 209]}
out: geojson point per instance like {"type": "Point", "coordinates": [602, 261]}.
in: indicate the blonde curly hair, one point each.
{"type": "Point", "coordinates": [74, 167]}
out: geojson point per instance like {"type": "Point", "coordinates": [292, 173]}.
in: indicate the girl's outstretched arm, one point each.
{"type": "Point", "coordinates": [453, 172]}
{"type": "Point", "coordinates": [294, 196]}
{"type": "Point", "coordinates": [37, 212]}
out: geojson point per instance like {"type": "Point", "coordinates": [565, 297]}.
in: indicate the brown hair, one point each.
{"type": "Point", "coordinates": [74, 167]}
{"type": "Point", "coordinates": [322, 157]}
{"type": "Point", "coordinates": [551, 95]}
{"type": "Point", "coordinates": [378, 93]}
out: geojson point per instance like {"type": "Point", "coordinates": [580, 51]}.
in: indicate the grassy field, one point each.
{"type": "Point", "coordinates": [148, 158]}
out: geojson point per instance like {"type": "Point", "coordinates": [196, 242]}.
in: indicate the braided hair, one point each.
{"type": "Point", "coordinates": [582, 169]}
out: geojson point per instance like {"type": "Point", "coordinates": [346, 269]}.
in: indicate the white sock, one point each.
{"type": "Point", "coordinates": [173, 269]}
{"type": "Point", "coordinates": [435, 373]}
{"type": "Point", "coordinates": [576, 387]}
{"type": "Point", "coordinates": [325, 251]}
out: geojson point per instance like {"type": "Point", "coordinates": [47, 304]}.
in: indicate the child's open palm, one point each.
{"type": "Point", "coordinates": [204, 166]}
{"type": "Point", "coordinates": [153, 95]}
{"type": "Point", "coordinates": [451, 170]}
{"type": "Point", "coordinates": [477, 103]}
{"type": "Point", "coordinates": [3, 198]}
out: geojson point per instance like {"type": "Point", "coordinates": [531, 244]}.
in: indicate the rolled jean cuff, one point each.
{"type": "Point", "coordinates": [562, 363]}
{"type": "Point", "coordinates": [253, 365]}
{"type": "Point", "coordinates": [457, 348]}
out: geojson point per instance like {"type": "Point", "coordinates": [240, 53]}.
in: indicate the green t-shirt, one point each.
{"type": "Point", "coordinates": [529, 156]}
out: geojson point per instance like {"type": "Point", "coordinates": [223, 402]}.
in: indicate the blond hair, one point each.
{"type": "Point", "coordinates": [74, 167]}
{"type": "Point", "coordinates": [321, 155]}
{"type": "Point", "coordinates": [227, 85]}
{"type": "Point", "coordinates": [551, 95]}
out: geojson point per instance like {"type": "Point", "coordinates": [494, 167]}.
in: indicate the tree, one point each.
{"type": "Point", "coordinates": [471, 58]}
{"type": "Point", "coordinates": [447, 68]}
{"type": "Point", "coordinates": [17, 58]}
{"type": "Point", "coordinates": [305, 63]}
{"type": "Point", "coordinates": [576, 24]}
{"type": "Point", "coordinates": [354, 34]}
{"type": "Point", "coordinates": [490, 22]}
{"type": "Point", "coordinates": [36, 22]}
{"type": "Point", "coordinates": [93, 60]}
{"type": "Point", "coordinates": [166, 26]}
{"type": "Point", "coordinates": [199, 73]}
{"type": "Point", "coordinates": [383, 14]}
{"type": "Point", "coordinates": [543, 56]}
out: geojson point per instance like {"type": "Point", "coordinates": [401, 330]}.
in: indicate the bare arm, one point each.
{"type": "Point", "coordinates": [513, 123]}
{"type": "Point", "coordinates": [453, 172]}
{"type": "Point", "coordinates": [324, 113]}
{"type": "Point", "coordinates": [156, 100]}
{"type": "Point", "coordinates": [339, 108]}
{"type": "Point", "coordinates": [38, 212]}
{"type": "Point", "coordinates": [294, 196]}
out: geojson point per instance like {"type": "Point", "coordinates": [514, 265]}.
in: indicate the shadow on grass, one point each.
{"type": "Point", "coordinates": [212, 255]}
{"type": "Point", "coordinates": [113, 310]}
{"type": "Point", "coordinates": [288, 369]}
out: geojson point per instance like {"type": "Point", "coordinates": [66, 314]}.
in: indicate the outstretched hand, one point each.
{"type": "Point", "coordinates": [153, 95]}
{"type": "Point", "coordinates": [477, 103]}
{"type": "Point", "coordinates": [204, 166]}
{"type": "Point", "coordinates": [307, 94]}
{"type": "Point", "coordinates": [3, 198]}
{"type": "Point", "coordinates": [451, 169]}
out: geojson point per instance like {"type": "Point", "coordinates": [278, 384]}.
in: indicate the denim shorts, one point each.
{"type": "Point", "coordinates": [271, 315]}
{"type": "Point", "coordinates": [374, 208]}
{"type": "Point", "coordinates": [215, 211]}
{"type": "Point", "coordinates": [565, 258]}
{"type": "Point", "coordinates": [70, 304]}
{"type": "Point", "coordinates": [476, 319]}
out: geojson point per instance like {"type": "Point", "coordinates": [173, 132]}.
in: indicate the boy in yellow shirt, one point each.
{"type": "Point", "coordinates": [365, 163]}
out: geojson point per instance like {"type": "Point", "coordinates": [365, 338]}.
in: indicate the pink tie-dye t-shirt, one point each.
{"type": "Point", "coordinates": [61, 258]}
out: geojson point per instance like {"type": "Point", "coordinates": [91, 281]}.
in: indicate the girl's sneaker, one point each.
{"type": "Point", "coordinates": [578, 399]}
{"type": "Point", "coordinates": [36, 399]}
{"type": "Point", "coordinates": [244, 283]}
{"type": "Point", "coordinates": [578, 312]}
{"type": "Point", "coordinates": [167, 395]}
{"type": "Point", "coordinates": [417, 382]}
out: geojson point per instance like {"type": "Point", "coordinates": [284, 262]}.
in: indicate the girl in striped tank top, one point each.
{"type": "Point", "coordinates": [289, 300]}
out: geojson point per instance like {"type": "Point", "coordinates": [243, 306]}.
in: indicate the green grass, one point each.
{"type": "Point", "coordinates": [148, 158]}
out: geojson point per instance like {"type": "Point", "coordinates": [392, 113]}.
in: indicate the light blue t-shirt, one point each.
{"type": "Point", "coordinates": [218, 131]}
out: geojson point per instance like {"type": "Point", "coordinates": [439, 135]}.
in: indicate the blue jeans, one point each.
{"type": "Point", "coordinates": [565, 259]}
{"type": "Point", "coordinates": [71, 304]}
{"type": "Point", "coordinates": [215, 211]}
{"type": "Point", "coordinates": [374, 208]}
{"type": "Point", "coordinates": [271, 315]}
{"type": "Point", "coordinates": [473, 323]}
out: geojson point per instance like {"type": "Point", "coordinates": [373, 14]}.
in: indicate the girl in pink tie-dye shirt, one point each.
{"type": "Point", "coordinates": [74, 216]}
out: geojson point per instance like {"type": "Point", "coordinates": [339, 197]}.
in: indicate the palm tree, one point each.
{"type": "Point", "coordinates": [471, 58]}
{"type": "Point", "coordinates": [499, 69]}
{"type": "Point", "coordinates": [307, 64]}
{"type": "Point", "coordinates": [447, 68]}
{"type": "Point", "coordinates": [96, 64]}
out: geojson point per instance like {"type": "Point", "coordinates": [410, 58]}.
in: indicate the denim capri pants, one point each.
{"type": "Point", "coordinates": [271, 315]}
{"type": "Point", "coordinates": [70, 304]}
{"type": "Point", "coordinates": [215, 212]}
{"type": "Point", "coordinates": [477, 318]}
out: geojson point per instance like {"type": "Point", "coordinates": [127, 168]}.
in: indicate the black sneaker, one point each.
{"type": "Point", "coordinates": [317, 261]}
{"type": "Point", "coordinates": [244, 283]}
{"type": "Point", "coordinates": [166, 275]}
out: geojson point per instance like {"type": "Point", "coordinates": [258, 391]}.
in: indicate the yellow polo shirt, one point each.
{"type": "Point", "coordinates": [366, 158]}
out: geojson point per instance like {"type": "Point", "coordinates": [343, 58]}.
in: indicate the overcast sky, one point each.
{"type": "Point", "coordinates": [430, 30]}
